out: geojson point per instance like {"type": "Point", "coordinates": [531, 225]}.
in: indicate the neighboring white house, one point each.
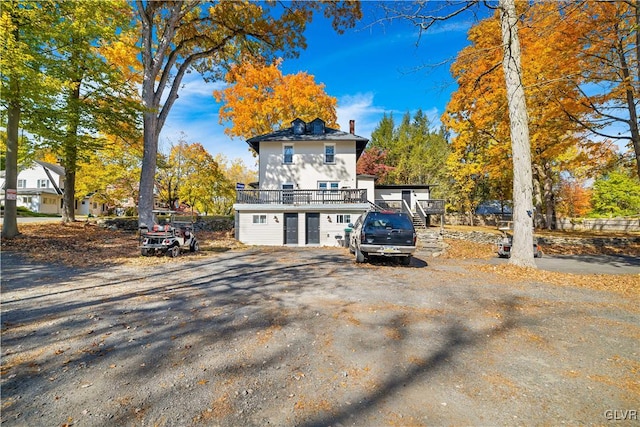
{"type": "Point", "coordinates": [308, 190]}
{"type": "Point", "coordinates": [41, 188]}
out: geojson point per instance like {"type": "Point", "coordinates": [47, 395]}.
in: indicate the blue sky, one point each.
{"type": "Point", "coordinates": [371, 69]}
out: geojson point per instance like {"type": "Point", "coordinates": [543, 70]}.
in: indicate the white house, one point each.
{"type": "Point", "coordinates": [308, 190]}
{"type": "Point", "coordinates": [41, 188]}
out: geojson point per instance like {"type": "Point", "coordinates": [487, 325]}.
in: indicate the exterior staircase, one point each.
{"type": "Point", "coordinates": [418, 223]}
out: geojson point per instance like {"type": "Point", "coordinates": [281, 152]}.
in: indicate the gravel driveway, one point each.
{"type": "Point", "coordinates": [306, 337]}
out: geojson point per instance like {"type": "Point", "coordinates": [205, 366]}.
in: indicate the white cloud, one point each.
{"type": "Point", "coordinates": [359, 107]}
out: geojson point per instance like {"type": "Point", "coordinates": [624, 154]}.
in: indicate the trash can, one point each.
{"type": "Point", "coordinates": [347, 236]}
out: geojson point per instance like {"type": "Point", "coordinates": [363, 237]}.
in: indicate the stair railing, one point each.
{"type": "Point", "coordinates": [406, 208]}
{"type": "Point", "coordinates": [422, 214]}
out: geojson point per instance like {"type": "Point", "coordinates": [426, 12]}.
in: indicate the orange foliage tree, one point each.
{"type": "Point", "coordinates": [478, 111]}
{"type": "Point", "coordinates": [260, 99]}
{"type": "Point", "coordinates": [574, 199]}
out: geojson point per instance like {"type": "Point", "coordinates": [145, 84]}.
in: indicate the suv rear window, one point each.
{"type": "Point", "coordinates": [385, 220]}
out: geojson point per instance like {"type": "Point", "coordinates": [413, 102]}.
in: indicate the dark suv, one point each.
{"type": "Point", "coordinates": [383, 233]}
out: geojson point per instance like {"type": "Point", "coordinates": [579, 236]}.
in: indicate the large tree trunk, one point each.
{"type": "Point", "coordinates": [148, 172]}
{"type": "Point", "coordinates": [10, 221]}
{"type": "Point", "coordinates": [522, 249]}
{"type": "Point", "coordinates": [70, 151]}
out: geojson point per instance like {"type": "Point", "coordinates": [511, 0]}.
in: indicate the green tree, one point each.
{"type": "Point", "coordinates": [24, 28]}
{"type": "Point", "coordinates": [414, 152]}
{"type": "Point", "coordinates": [616, 194]}
{"type": "Point", "coordinates": [96, 97]}
{"type": "Point", "coordinates": [178, 37]}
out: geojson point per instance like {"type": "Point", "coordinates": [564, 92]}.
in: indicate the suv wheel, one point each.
{"type": "Point", "coordinates": [405, 260]}
{"type": "Point", "coordinates": [194, 246]}
{"type": "Point", "coordinates": [359, 256]}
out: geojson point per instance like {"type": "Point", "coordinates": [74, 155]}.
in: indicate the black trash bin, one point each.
{"type": "Point", "coordinates": [347, 236]}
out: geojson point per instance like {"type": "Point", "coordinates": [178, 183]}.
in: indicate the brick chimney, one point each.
{"type": "Point", "coordinates": [352, 127]}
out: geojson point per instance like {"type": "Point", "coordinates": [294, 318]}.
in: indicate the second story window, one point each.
{"type": "Point", "coordinates": [22, 183]}
{"type": "Point", "coordinates": [287, 151]}
{"type": "Point", "coordinates": [329, 153]}
{"type": "Point", "coordinates": [43, 183]}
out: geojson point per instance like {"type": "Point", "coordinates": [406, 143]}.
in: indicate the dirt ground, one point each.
{"type": "Point", "coordinates": [305, 337]}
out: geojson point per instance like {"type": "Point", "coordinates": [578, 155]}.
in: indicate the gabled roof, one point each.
{"type": "Point", "coordinates": [287, 134]}
{"type": "Point", "coordinates": [57, 169]}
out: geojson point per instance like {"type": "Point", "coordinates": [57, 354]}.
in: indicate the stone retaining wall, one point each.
{"type": "Point", "coordinates": [491, 238]}
{"type": "Point", "coordinates": [203, 223]}
{"type": "Point", "coordinates": [619, 225]}
{"type": "Point", "coordinates": [599, 224]}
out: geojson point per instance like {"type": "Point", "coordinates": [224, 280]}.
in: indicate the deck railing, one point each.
{"type": "Point", "coordinates": [301, 197]}
{"type": "Point", "coordinates": [429, 207]}
{"type": "Point", "coordinates": [433, 206]}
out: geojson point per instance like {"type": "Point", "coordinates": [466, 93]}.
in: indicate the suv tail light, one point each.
{"type": "Point", "coordinates": [363, 236]}
{"type": "Point", "coordinates": [415, 238]}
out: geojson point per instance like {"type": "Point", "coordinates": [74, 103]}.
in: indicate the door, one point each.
{"type": "Point", "coordinates": [406, 197]}
{"type": "Point", "coordinates": [290, 228]}
{"type": "Point", "coordinates": [313, 228]}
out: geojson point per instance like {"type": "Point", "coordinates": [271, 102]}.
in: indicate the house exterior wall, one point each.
{"type": "Point", "coordinates": [49, 203]}
{"type": "Point", "coordinates": [37, 191]}
{"type": "Point", "coordinates": [395, 194]}
{"type": "Point", "coordinates": [308, 167]}
{"type": "Point", "coordinates": [271, 233]}
{"type": "Point", "coordinates": [32, 175]}
{"type": "Point", "coordinates": [367, 183]}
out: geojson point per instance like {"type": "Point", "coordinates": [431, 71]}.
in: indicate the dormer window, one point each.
{"type": "Point", "coordinates": [298, 126]}
{"type": "Point", "coordinates": [317, 127]}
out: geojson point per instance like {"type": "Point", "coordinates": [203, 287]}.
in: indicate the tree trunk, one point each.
{"type": "Point", "coordinates": [549, 198]}
{"type": "Point", "coordinates": [538, 219]}
{"type": "Point", "coordinates": [522, 249]}
{"type": "Point", "coordinates": [10, 221]}
{"type": "Point", "coordinates": [148, 172]}
{"type": "Point", "coordinates": [70, 150]}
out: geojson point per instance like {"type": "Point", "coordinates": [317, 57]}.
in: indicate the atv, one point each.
{"type": "Point", "coordinates": [169, 237]}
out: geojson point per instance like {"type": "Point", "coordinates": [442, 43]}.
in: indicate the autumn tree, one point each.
{"type": "Point", "coordinates": [610, 69]}
{"type": "Point", "coordinates": [574, 198]}
{"type": "Point", "coordinates": [26, 87]}
{"type": "Point", "coordinates": [95, 98]}
{"type": "Point", "coordinates": [234, 171]}
{"type": "Point", "coordinates": [260, 100]}
{"type": "Point", "coordinates": [203, 182]}
{"type": "Point", "coordinates": [111, 174]}
{"type": "Point", "coordinates": [373, 161]}
{"type": "Point", "coordinates": [189, 174]}
{"type": "Point", "coordinates": [558, 145]}
{"type": "Point", "coordinates": [207, 37]}
{"type": "Point", "coordinates": [422, 15]}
